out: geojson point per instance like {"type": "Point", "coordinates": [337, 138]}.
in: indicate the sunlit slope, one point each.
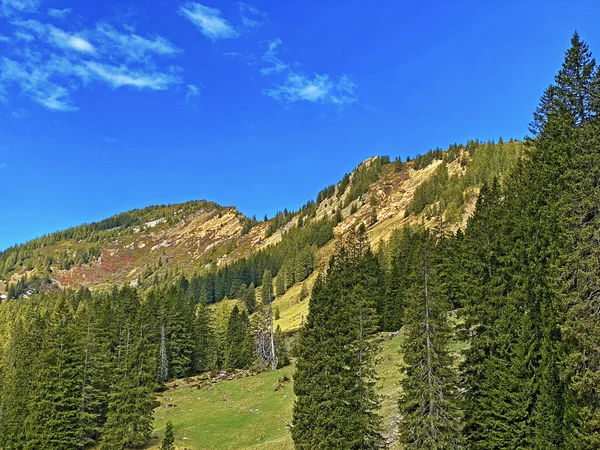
{"type": "Point", "coordinates": [255, 412]}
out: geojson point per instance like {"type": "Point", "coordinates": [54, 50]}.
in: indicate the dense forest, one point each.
{"type": "Point", "coordinates": [516, 293]}
{"type": "Point", "coordinates": [500, 322]}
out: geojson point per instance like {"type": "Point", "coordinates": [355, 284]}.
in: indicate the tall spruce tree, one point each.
{"type": "Point", "coordinates": [238, 344]}
{"type": "Point", "coordinates": [333, 383]}
{"type": "Point", "coordinates": [578, 86]}
{"type": "Point", "coordinates": [130, 408]}
{"type": "Point", "coordinates": [429, 404]}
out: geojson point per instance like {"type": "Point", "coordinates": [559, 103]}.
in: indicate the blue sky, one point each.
{"type": "Point", "coordinates": [108, 106]}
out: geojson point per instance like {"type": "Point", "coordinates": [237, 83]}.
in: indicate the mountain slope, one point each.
{"type": "Point", "coordinates": [202, 237]}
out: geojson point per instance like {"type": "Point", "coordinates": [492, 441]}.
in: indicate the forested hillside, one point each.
{"type": "Point", "coordinates": [483, 258]}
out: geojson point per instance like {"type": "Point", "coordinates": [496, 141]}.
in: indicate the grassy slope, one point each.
{"type": "Point", "coordinates": [248, 413]}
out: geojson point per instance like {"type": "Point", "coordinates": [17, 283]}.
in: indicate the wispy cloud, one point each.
{"type": "Point", "coordinates": [276, 65]}
{"type": "Point", "coordinates": [192, 91]}
{"type": "Point", "coordinates": [252, 17]}
{"type": "Point", "coordinates": [2, 165]}
{"type": "Point", "coordinates": [249, 59]}
{"type": "Point", "coordinates": [133, 46]}
{"type": "Point", "coordinates": [209, 21]}
{"type": "Point", "coordinates": [318, 89]}
{"type": "Point", "coordinates": [59, 13]}
{"type": "Point", "coordinates": [52, 63]}
{"type": "Point", "coordinates": [118, 76]}
{"type": "Point", "coordinates": [69, 41]}
{"type": "Point", "coordinates": [297, 86]}
{"type": "Point", "coordinates": [19, 114]}
{"type": "Point", "coordinates": [53, 35]}
{"type": "Point", "coordinates": [10, 7]}
{"type": "Point", "coordinates": [36, 83]}
{"type": "Point", "coordinates": [21, 35]}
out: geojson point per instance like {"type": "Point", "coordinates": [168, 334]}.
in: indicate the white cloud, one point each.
{"type": "Point", "coordinates": [299, 87]}
{"type": "Point", "coordinates": [4, 38]}
{"type": "Point", "coordinates": [133, 46]}
{"type": "Point", "coordinates": [249, 59]}
{"type": "Point", "coordinates": [50, 64]}
{"type": "Point", "coordinates": [54, 36]}
{"type": "Point", "coordinates": [21, 35]}
{"type": "Point", "coordinates": [252, 17]}
{"type": "Point", "coordinates": [36, 83]}
{"type": "Point", "coordinates": [68, 41]}
{"type": "Point", "coordinates": [276, 64]}
{"type": "Point", "coordinates": [209, 20]}
{"type": "Point", "coordinates": [191, 92]}
{"type": "Point", "coordinates": [10, 7]}
{"type": "Point", "coordinates": [59, 13]}
{"type": "Point", "coordinates": [319, 89]}
{"type": "Point", "coordinates": [123, 76]}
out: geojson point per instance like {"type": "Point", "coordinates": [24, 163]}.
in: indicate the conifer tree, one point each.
{"type": "Point", "coordinates": [205, 347]}
{"type": "Point", "coordinates": [238, 344]}
{"type": "Point", "coordinates": [19, 368]}
{"type": "Point", "coordinates": [130, 408]}
{"type": "Point", "coordinates": [54, 413]}
{"type": "Point", "coordinates": [168, 442]}
{"type": "Point", "coordinates": [578, 93]}
{"type": "Point", "coordinates": [333, 383]}
{"type": "Point", "coordinates": [431, 418]}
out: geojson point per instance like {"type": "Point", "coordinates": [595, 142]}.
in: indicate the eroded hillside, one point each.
{"type": "Point", "coordinates": [201, 236]}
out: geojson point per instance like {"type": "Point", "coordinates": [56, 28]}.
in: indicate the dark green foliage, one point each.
{"type": "Point", "coordinates": [238, 342]}
{"type": "Point", "coordinates": [343, 184]}
{"type": "Point", "coordinates": [364, 176]}
{"type": "Point", "coordinates": [326, 193]}
{"type": "Point", "coordinates": [530, 315]}
{"type": "Point", "coordinates": [334, 377]}
{"type": "Point", "coordinates": [279, 221]}
{"type": "Point", "coordinates": [79, 368]}
{"type": "Point", "coordinates": [205, 342]}
{"type": "Point", "coordinates": [403, 257]}
{"type": "Point", "coordinates": [429, 407]}
{"type": "Point", "coordinates": [130, 407]}
{"type": "Point", "coordinates": [283, 358]}
{"type": "Point", "coordinates": [296, 245]}
{"type": "Point", "coordinates": [483, 163]}
{"type": "Point", "coordinates": [168, 441]}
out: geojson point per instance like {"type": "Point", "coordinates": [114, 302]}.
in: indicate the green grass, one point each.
{"type": "Point", "coordinates": [247, 413]}
{"type": "Point", "coordinates": [250, 414]}
{"type": "Point", "coordinates": [388, 381]}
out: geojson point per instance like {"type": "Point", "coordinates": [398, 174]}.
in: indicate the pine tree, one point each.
{"type": "Point", "coordinates": [431, 418]}
{"type": "Point", "coordinates": [130, 408]}
{"type": "Point", "coordinates": [579, 87]}
{"type": "Point", "coordinates": [53, 421]}
{"type": "Point", "coordinates": [333, 383]}
{"type": "Point", "coordinates": [205, 347]}
{"type": "Point", "coordinates": [168, 442]}
{"type": "Point", "coordinates": [179, 333]}
{"type": "Point", "coordinates": [20, 367]}
{"type": "Point", "coordinates": [238, 344]}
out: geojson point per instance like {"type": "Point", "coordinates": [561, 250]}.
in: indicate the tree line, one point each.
{"type": "Point", "coordinates": [500, 324]}
{"type": "Point", "coordinates": [79, 369]}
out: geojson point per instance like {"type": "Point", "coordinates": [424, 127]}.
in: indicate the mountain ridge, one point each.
{"type": "Point", "coordinates": [202, 236]}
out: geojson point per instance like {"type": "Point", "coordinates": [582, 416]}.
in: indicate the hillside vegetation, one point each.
{"type": "Point", "coordinates": [227, 249]}
{"type": "Point", "coordinates": [255, 411]}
